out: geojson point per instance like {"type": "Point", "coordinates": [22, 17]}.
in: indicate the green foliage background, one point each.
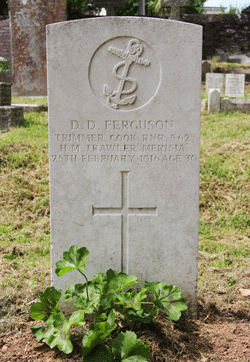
{"type": "Point", "coordinates": [131, 8]}
{"type": "Point", "coordinates": [4, 66]}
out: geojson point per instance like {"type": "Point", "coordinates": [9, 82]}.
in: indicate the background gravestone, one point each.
{"type": "Point", "coordinates": [28, 19]}
{"type": "Point", "coordinates": [205, 68]}
{"type": "Point", "coordinates": [235, 85]}
{"type": "Point", "coordinates": [214, 101]}
{"type": "Point", "coordinates": [124, 120]}
{"type": "Point", "coordinates": [215, 80]}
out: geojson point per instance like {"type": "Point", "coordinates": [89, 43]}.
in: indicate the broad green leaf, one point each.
{"type": "Point", "coordinates": [86, 305]}
{"type": "Point", "coordinates": [50, 300]}
{"type": "Point", "coordinates": [73, 291]}
{"type": "Point", "coordinates": [99, 354]}
{"type": "Point", "coordinates": [140, 316]}
{"type": "Point", "coordinates": [106, 302]}
{"type": "Point", "coordinates": [77, 318]}
{"type": "Point", "coordinates": [72, 259]}
{"type": "Point", "coordinates": [99, 280]}
{"type": "Point", "coordinates": [127, 345]}
{"type": "Point", "coordinates": [115, 282]}
{"type": "Point", "coordinates": [111, 317]}
{"type": "Point", "coordinates": [131, 299]}
{"type": "Point", "coordinates": [87, 301]}
{"type": "Point", "coordinates": [102, 317]}
{"type": "Point", "coordinates": [118, 281]}
{"type": "Point", "coordinates": [167, 298]}
{"type": "Point", "coordinates": [58, 333]}
{"type": "Point", "coordinates": [38, 331]}
{"type": "Point", "coordinates": [95, 293]}
{"type": "Point", "coordinates": [96, 334]}
{"type": "Point", "coordinates": [135, 359]}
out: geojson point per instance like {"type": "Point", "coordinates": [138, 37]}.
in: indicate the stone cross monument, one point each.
{"type": "Point", "coordinates": [175, 6]}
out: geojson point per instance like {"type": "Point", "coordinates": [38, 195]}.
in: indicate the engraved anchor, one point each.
{"type": "Point", "coordinates": [130, 55]}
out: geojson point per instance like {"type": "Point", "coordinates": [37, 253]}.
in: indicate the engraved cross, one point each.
{"type": "Point", "coordinates": [124, 212]}
{"type": "Point", "coordinates": [175, 6]}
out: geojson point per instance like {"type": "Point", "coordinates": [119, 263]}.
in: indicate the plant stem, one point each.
{"type": "Point", "coordinates": [87, 290]}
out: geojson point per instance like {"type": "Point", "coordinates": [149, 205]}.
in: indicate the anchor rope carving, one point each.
{"type": "Point", "coordinates": [131, 55]}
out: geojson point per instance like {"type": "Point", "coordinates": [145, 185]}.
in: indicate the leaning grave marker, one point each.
{"type": "Point", "coordinates": [124, 128]}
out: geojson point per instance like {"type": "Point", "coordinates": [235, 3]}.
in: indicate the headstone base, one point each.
{"type": "Point", "coordinates": [10, 116]}
{"type": "Point", "coordinates": [235, 105]}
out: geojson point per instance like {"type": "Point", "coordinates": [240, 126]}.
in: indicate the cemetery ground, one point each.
{"type": "Point", "coordinates": [221, 331]}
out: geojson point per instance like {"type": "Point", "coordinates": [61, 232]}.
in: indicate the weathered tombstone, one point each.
{"type": "Point", "coordinates": [9, 115]}
{"type": "Point", "coordinates": [241, 59]}
{"type": "Point", "coordinates": [215, 80]}
{"type": "Point", "coordinates": [124, 119]}
{"type": "Point", "coordinates": [235, 85]}
{"type": "Point", "coordinates": [175, 6]}
{"type": "Point", "coordinates": [205, 68]}
{"type": "Point", "coordinates": [28, 19]}
{"type": "Point", "coordinates": [214, 101]}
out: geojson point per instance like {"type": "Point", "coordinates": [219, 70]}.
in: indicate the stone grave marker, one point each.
{"type": "Point", "coordinates": [205, 68]}
{"type": "Point", "coordinates": [215, 80]}
{"type": "Point", "coordinates": [241, 59]}
{"type": "Point", "coordinates": [124, 128]}
{"type": "Point", "coordinates": [214, 101]}
{"type": "Point", "coordinates": [9, 115]}
{"type": "Point", "coordinates": [28, 19]}
{"type": "Point", "coordinates": [175, 6]}
{"type": "Point", "coordinates": [235, 85]}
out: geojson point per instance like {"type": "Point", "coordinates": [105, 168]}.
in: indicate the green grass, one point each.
{"type": "Point", "coordinates": [224, 230]}
{"type": "Point", "coordinates": [225, 175]}
{"type": "Point", "coordinates": [30, 100]}
{"type": "Point", "coordinates": [24, 192]}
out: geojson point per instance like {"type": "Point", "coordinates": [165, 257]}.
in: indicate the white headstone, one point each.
{"type": "Point", "coordinates": [235, 85]}
{"type": "Point", "coordinates": [124, 120]}
{"type": "Point", "coordinates": [215, 80]}
{"type": "Point", "coordinates": [214, 101]}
